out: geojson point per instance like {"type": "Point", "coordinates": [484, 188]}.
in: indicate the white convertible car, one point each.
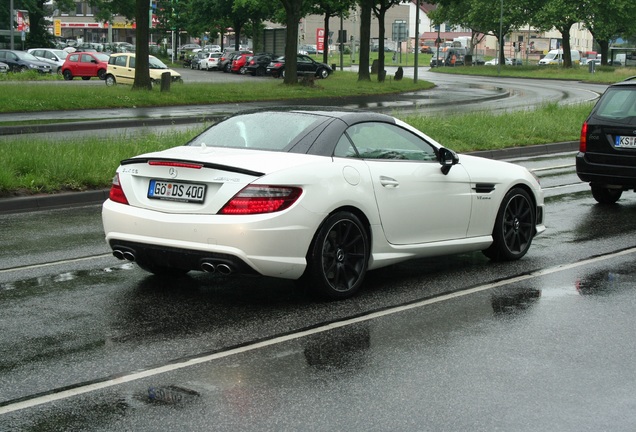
{"type": "Point", "coordinates": [318, 195]}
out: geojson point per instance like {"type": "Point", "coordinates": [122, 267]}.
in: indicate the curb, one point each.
{"type": "Point", "coordinates": [74, 199]}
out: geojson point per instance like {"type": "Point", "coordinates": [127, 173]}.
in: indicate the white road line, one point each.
{"type": "Point", "coordinates": [133, 376]}
{"type": "Point", "coordinates": [53, 263]}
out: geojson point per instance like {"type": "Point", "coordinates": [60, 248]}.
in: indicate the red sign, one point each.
{"type": "Point", "coordinates": [320, 39]}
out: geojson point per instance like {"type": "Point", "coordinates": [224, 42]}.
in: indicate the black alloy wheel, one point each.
{"type": "Point", "coordinates": [338, 257]}
{"type": "Point", "coordinates": [514, 227]}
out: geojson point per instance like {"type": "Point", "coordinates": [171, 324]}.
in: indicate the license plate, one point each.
{"type": "Point", "coordinates": [176, 191]}
{"type": "Point", "coordinates": [625, 141]}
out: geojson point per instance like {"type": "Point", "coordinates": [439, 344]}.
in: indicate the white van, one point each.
{"type": "Point", "coordinates": [556, 57]}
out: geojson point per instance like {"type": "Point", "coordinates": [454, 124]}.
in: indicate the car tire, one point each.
{"type": "Point", "coordinates": [24, 68]}
{"type": "Point", "coordinates": [59, 70]}
{"type": "Point", "coordinates": [110, 80]}
{"type": "Point", "coordinates": [282, 74]}
{"type": "Point", "coordinates": [227, 68]}
{"type": "Point", "coordinates": [514, 227]}
{"type": "Point", "coordinates": [338, 257]}
{"type": "Point", "coordinates": [260, 71]}
{"type": "Point", "coordinates": [101, 74]}
{"type": "Point", "coordinates": [322, 73]}
{"type": "Point", "coordinates": [67, 75]}
{"type": "Point", "coordinates": [605, 195]}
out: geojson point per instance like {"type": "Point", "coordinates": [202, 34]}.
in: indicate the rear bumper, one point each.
{"type": "Point", "coordinates": [605, 174]}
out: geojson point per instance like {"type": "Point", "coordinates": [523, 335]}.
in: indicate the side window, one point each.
{"type": "Point", "coordinates": [344, 148]}
{"type": "Point", "coordinates": [386, 141]}
{"type": "Point", "coordinates": [132, 62]}
{"type": "Point", "coordinates": [87, 58]}
{"type": "Point", "coordinates": [120, 60]}
{"type": "Point", "coordinates": [73, 57]}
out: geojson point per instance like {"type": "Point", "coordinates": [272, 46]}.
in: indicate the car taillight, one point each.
{"type": "Point", "coordinates": [116, 192]}
{"type": "Point", "coordinates": [583, 141]}
{"type": "Point", "coordinates": [258, 199]}
{"type": "Point", "coordinates": [278, 65]}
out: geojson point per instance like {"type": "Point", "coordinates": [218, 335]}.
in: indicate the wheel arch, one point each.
{"type": "Point", "coordinates": [351, 209]}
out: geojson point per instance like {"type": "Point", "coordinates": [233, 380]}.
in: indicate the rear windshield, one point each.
{"type": "Point", "coordinates": [274, 131]}
{"type": "Point", "coordinates": [617, 103]}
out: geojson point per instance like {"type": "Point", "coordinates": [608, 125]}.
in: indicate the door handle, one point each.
{"type": "Point", "coordinates": [389, 182]}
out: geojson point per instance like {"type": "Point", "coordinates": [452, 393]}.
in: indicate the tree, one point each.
{"type": "Point", "coordinates": [379, 9]}
{"type": "Point", "coordinates": [329, 9]}
{"type": "Point", "coordinates": [562, 15]}
{"type": "Point", "coordinates": [607, 20]}
{"type": "Point", "coordinates": [294, 11]}
{"type": "Point", "coordinates": [486, 16]}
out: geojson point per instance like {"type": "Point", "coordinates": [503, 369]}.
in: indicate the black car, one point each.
{"type": "Point", "coordinates": [607, 149]}
{"type": "Point", "coordinates": [305, 65]}
{"type": "Point", "coordinates": [21, 61]}
{"type": "Point", "coordinates": [257, 64]}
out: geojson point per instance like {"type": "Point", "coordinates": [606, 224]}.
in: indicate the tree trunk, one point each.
{"type": "Point", "coordinates": [293, 12]}
{"type": "Point", "coordinates": [142, 51]}
{"type": "Point", "coordinates": [364, 74]}
{"type": "Point", "coordinates": [567, 53]}
{"type": "Point", "coordinates": [325, 53]}
{"type": "Point", "coordinates": [381, 30]}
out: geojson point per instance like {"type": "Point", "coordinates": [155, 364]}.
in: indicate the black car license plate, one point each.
{"type": "Point", "coordinates": [176, 191]}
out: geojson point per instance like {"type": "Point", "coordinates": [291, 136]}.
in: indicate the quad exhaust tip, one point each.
{"type": "Point", "coordinates": [124, 255]}
{"type": "Point", "coordinates": [221, 268]}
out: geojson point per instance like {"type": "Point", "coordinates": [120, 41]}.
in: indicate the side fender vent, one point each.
{"type": "Point", "coordinates": [484, 188]}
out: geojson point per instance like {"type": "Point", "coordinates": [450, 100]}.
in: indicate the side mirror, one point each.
{"type": "Point", "coordinates": [447, 158]}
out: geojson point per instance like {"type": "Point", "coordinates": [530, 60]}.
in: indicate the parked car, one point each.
{"type": "Point", "coordinates": [55, 56]}
{"type": "Point", "coordinates": [85, 65]}
{"type": "Point", "coordinates": [4, 68]}
{"type": "Point", "coordinates": [22, 61]}
{"type": "Point", "coordinates": [321, 195]}
{"type": "Point", "coordinates": [121, 70]}
{"type": "Point", "coordinates": [225, 63]}
{"type": "Point", "coordinates": [212, 48]}
{"type": "Point", "coordinates": [257, 64]}
{"type": "Point", "coordinates": [307, 49]}
{"type": "Point", "coordinates": [210, 61]}
{"type": "Point", "coordinates": [305, 66]}
{"type": "Point", "coordinates": [607, 149]}
{"type": "Point", "coordinates": [238, 63]}
{"type": "Point", "coordinates": [495, 61]}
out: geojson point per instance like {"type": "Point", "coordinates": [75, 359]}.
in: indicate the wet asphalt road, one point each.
{"type": "Point", "coordinates": [445, 344]}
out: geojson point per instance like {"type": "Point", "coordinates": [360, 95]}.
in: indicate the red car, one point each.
{"type": "Point", "coordinates": [85, 65]}
{"type": "Point", "coordinates": [239, 63]}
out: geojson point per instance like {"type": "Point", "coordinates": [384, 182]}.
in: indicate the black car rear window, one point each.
{"type": "Point", "coordinates": [617, 103]}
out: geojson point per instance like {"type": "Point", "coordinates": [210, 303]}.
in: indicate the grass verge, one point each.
{"type": "Point", "coordinates": [31, 166]}
{"type": "Point", "coordinates": [18, 97]}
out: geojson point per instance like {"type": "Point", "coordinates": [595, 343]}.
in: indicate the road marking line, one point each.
{"type": "Point", "coordinates": [134, 376]}
{"type": "Point", "coordinates": [53, 263]}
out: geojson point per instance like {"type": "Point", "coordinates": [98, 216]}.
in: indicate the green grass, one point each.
{"type": "Point", "coordinates": [18, 97]}
{"type": "Point", "coordinates": [603, 74]}
{"type": "Point", "coordinates": [31, 166]}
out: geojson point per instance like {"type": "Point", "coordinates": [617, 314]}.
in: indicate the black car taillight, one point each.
{"type": "Point", "coordinates": [583, 141]}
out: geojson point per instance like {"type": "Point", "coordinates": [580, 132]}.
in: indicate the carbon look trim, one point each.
{"type": "Point", "coordinates": [205, 165]}
{"type": "Point", "coordinates": [484, 188]}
